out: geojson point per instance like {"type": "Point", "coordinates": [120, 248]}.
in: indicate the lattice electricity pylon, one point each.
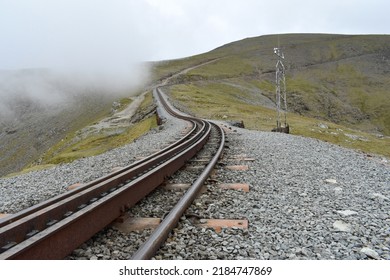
{"type": "Point", "coordinates": [281, 102]}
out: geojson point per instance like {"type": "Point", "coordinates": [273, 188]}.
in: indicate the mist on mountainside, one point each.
{"type": "Point", "coordinates": [38, 107]}
{"type": "Point", "coordinates": [53, 90]}
{"type": "Point", "coordinates": [64, 76]}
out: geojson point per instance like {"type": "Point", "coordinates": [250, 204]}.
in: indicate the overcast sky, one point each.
{"type": "Point", "coordinates": [97, 33]}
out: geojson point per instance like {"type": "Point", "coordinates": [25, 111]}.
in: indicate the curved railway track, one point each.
{"type": "Point", "coordinates": [54, 228]}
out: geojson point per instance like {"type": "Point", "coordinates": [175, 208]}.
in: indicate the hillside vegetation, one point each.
{"type": "Point", "coordinates": [337, 86]}
{"type": "Point", "coordinates": [337, 91]}
{"type": "Point", "coordinates": [47, 119]}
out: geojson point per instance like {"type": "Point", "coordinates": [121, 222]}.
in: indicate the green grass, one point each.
{"type": "Point", "coordinates": [98, 144]}
{"type": "Point", "coordinates": [148, 101]}
{"type": "Point", "coordinates": [265, 85]}
{"type": "Point", "coordinates": [226, 67]}
{"type": "Point", "coordinates": [73, 147]}
{"type": "Point", "coordinates": [339, 80]}
{"type": "Point", "coordinates": [223, 102]}
{"type": "Point", "coordinates": [124, 103]}
{"type": "Point", "coordinates": [163, 69]}
{"type": "Point", "coordinates": [339, 93]}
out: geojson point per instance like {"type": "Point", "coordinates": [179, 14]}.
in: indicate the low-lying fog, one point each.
{"type": "Point", "coordinates": [50, 90]}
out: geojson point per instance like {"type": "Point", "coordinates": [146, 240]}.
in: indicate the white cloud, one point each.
{"type": "Point", "coordinates": [97, 33]}
{"type": "Point", "coordinates": [170, 9]}
{"type": "Point", "coordinates": [99, 42]}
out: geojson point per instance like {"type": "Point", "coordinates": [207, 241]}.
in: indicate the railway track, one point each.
{"type": "Point", "coordinates": [54, 228]}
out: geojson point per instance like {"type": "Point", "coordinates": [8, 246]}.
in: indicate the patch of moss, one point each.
{"type": "Point", "coordinates": [265, 85]}
{"type": "Point", "coordinates": [148, 100]}
{"type": "Point", "coordinates": [124, 103]}
{"type": "Point", "coordinates": [98, 144]}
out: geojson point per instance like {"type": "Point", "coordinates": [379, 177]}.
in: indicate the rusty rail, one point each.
{"type": "Point", "coordinates": [116, 176]}
{"type": "Point", "coordinates": [148, 249]}
{"type": "Point", "coordinates": [53, 229]}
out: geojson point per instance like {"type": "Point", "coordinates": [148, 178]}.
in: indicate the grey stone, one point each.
{"type": "Point", "coordinates": [342, 226]}
{"type": "Point", "coordinates": [347, 212]}
{"type": "Point", "coordinates": [331, 181]}
{"type": "Point", "coordinates": [379, 195]}
{"type": "Point", "coordinates": [370, 253]}
{"type": "Point", "coordinates": [323, 126]}
{"type": "Point", "coordinates": [338, 190]}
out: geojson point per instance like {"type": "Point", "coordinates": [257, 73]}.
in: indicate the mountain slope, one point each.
{"type": "Point", "coordinates": [341, 80]}
{"type": "Point", "coordinates": [41, 110]}
{"type": "Point", "coordinates": [337, 86]}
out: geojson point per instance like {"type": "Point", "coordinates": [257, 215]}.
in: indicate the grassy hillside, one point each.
{"type": "Point", "coordinates": [42, 115]}
{"type": "Point", "coordinates": [84, 144]}
{"type": "Point", "coordinates": [39, 128]}
{"type": "Point", "coordinates": [337, 87]}
{"type": "Point", "coordinates": [88, 141]}
{"type": "Point", "coordinates": [336, 81]}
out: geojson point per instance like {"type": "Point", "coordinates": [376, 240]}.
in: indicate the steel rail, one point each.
{"type": "Point", "coordinates": [148, 249]}
{"type": "Point", "coordinates": [57, 228]}
{"type": "Point", "coordinates": [23, 213]}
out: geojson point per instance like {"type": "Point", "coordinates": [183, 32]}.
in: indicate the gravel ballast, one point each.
{"type": "Point", "coordinates": [308, 199]}
{"type": "Point", "coordinates": [19, 192]}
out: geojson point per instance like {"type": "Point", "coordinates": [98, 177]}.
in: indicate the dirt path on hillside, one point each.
{"type": "Point", "coordinates": [184, 71]}
{"type": "Point", "coordinates": [118, 120]}
{"type": "Point", "coordinates": [122, 118]}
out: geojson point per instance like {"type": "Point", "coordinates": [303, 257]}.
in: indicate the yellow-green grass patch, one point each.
{"type": "Point", "coordinates": [98, 144]}
{"type": "Point", "coordinates": [224, 102]}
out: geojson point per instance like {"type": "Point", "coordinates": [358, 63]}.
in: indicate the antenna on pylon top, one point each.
{"type": "Point", "coordinates": [279, 53]}
{"type": "Point", "coordinates": [281, 102]}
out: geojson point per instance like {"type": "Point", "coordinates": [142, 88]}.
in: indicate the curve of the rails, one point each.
{"type": "Point", "coordinates": [121, 172]}
{"type": "Point", "coordinates": [53, 229]}
{"type": "Point", "coordinates": [148, 249]}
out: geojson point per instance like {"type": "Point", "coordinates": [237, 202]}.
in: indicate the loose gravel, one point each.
{"type": "Point", "coordinates": [308, 199]}
{"type": "Point", "coordinates": [20, 192]}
